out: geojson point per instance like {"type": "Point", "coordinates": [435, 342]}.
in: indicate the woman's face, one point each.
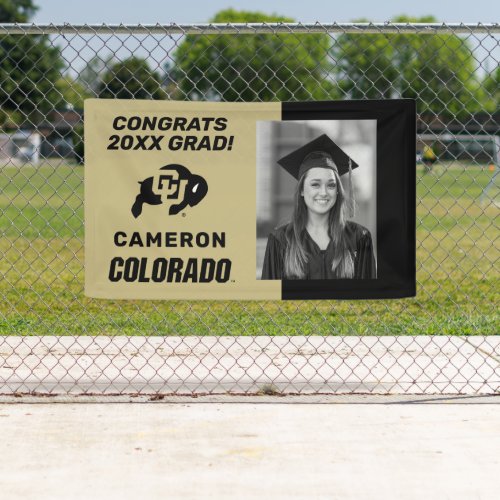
{"type": "Point", "coordinates": [320, 190]}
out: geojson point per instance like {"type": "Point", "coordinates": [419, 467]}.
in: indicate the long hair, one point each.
{"type": "Point", "coordinates": [296, 255]}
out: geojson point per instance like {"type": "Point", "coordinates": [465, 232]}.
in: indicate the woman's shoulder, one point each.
{"type": "Point", "coordinates": [356, 230]}
{"type": "Point", "coordinates": [279, 233]}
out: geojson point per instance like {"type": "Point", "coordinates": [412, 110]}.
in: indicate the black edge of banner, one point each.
{"type": "Point", "coordinates": [396, 199]}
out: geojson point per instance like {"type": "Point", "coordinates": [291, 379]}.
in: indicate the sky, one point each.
{"type": "Point", "coordinates": [200, 11]}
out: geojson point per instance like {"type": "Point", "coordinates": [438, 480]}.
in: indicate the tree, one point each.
{"type": "Point", "coordinates": [131, 79]}
{"type": "Point", "coordinates": [253, 67]}
{"type": "Point", "coordinates": [491, 87]}
{"type": "Point", "coordinates": [91, 77]}
{"type": "Point", "coordinates": [71, 93]}
{"type": "Point", "coordinates": [437, 70]}
{"type": "Point", "coordinates": [29, 67]}
{"type": "Point", "coordinates": [365, 67]}
{"type": "Point", "coordinates": [16, 11]}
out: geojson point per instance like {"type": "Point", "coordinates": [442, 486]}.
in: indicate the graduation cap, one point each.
{"type": "Point", "coordinates": [321, 152]}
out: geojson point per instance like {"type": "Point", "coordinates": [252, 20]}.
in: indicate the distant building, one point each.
{"type": "Point", "coordinates": [20, 147]}
{"type": "Point", "coordinates": [52, 138]}
{"type": "Point", "coordinates": [57, 133]}
{"type": "Point", "coordinates": [457, 139]}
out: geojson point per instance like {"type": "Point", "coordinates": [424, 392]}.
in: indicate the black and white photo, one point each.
{"type": "Point", "coordinates": [316, 200]}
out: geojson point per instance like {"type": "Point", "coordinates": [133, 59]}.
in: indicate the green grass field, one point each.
{"type": "Point", "coordinates": [42, 255]}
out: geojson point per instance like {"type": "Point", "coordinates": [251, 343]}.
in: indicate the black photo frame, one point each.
{"type": "Point", "coordinates": [396, 199]}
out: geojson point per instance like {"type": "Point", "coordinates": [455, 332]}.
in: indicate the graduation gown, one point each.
{"type": "Point", "coordinates": [319, 262]}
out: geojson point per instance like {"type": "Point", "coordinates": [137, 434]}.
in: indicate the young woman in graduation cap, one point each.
{"type": "Point", "coordinates": [319, 242]}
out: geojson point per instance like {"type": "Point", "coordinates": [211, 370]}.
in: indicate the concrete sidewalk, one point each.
{"type": "Point", "coordinates": [233, 451]}
{"type": "Point", "coordinates": [221, 365]}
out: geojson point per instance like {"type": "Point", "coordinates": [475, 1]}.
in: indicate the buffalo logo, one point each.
{"type": "Point", "coordinates": [175, 184]}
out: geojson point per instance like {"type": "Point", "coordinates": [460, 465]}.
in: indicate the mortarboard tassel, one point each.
{"type": "Point", "coordinates": [352, 203]}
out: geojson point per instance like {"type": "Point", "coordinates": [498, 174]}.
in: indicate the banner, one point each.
{"type": "Point", "coordinates": [264, 201]}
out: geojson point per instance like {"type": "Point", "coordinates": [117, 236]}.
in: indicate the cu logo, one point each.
{"type": "Point", "coordinates": [174, 184]}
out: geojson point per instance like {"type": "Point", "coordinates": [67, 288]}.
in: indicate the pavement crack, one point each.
{"type": "Point", "coordinates": [483, 351]}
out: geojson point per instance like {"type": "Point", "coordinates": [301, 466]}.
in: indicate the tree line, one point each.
{"type": "Point", "coordinates": [437, 70]}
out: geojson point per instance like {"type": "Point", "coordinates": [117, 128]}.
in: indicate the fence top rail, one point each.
{"type": "Point", "coordinates": [246, 28]}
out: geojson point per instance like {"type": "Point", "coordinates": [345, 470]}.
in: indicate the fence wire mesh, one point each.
{"type": "Point", "coordinates": [55, 340]}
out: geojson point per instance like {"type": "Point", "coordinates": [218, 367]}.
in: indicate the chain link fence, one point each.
{"type": "Point", "coordinates": [54, 340]}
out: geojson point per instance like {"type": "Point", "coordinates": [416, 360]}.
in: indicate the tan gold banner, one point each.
{"type": "Point", "coordinates": [205, 200]}
{"type": "Point", "coordinates": [170, 200]}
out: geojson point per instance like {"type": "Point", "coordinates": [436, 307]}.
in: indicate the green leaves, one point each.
{"type": "Point", "coordinates": [492, 90]}
{"type": "Point", "coordinates": [436, 70]}
{"type": "Point", "coordinates": [131, 79]}
{"type": "Point", "coordinates": [16, 11]}
{"type": "Point", "coordinates": [29, 67]}
{"type": "Point", "coordinates": [254, 67]}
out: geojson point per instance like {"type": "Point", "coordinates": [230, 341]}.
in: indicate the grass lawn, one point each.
{"type": "Point", "coordinates": [42, 256]}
